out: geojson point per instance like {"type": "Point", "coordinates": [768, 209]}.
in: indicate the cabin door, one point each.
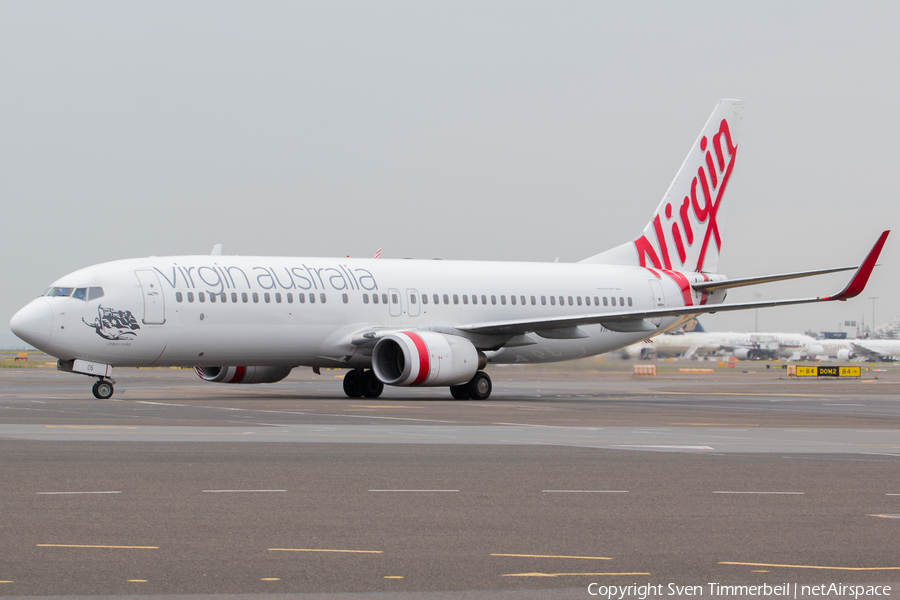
{"type": "Point", "coordinates": [154, 305]}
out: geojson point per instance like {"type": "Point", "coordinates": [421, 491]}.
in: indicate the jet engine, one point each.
{"type": "Point", "coordinates": [425, 358]}
{"type": "Point", "coordinates": [745, 353]}
{"type": "Point", "coordinates": [243, 374]}
{"type": "Point", "coordinates": [844, 354]}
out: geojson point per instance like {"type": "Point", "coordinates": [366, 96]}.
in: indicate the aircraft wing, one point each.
{"type": "Point", "coordinates": [566, 327]}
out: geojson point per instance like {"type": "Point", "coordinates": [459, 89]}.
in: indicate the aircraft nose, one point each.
{"type": "Point", "coordinates": [34, 323]}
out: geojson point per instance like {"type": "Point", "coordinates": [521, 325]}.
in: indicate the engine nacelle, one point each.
{"type": "Point", "coordinates": [243, 374]}
{"type": "Point", "coordinates": [844, 354]}
{"type": "Point", "coordinates": [745, 353]}
{"type": "Point", "coordinates": [425, 358]}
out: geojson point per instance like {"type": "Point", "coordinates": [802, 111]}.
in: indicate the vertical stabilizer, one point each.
{"type": "Point", "coordinates": [683, 234]}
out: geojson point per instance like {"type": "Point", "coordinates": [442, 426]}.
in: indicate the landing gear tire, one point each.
{"type": "Point", "coordinates": [370, 385]}
{"type": "Point", "coordinates": [103, 390]}
{"type": "Point", "coordinates": [480, 386]}
{"type": "Point", "coordinates": [459, 392]}
{"type": "Point", "coordinates": [353, 384]}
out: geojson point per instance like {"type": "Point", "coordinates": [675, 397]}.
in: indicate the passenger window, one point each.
{"type": "Point", "coordinates": [234, 297]}
{"type": "Point", "coordinates": [412, 298]}
{"type": "Point", "coordinates": [384, 298]}
{"type": "Point", "coordinates": [436, 299]}
{"type": "Point", "coordinates": [543, 300]}
{"type": "Point", "coordinates": [212, 297]}
{"type": "Point", "coordinates": [512, 300]}
{"type": "Point", "coordinates": [223, 297]}
{"type": "Point", "coordinates": [94, 293]}
{"type": "Point", "coordinates": [375, 298]}
{"type": "Point", "coordinates": [465, 299]}
{"type": "Point", "coordinates": [301, 298]}
{"type": "Point", "coordinates": [522, 300]}
{"type": "Point", "coordinates": [244, 297]}
{"type": "Point", "coordinates": [80, 294]}
{"type": "Point", "coordinates": [190, 296]}
{"type": "Point", "coordinates": [578, 300]}
{"type": "Point", "coordinates": [552, 300]}
{"type": "Point", "coordinates": [365, 298]}
{"type": "Point", "coordinates": [201, 297]}
{"type": "Point", "coordinates": [533, 301]}
{"type": "Point", "coordinates": [605, 303]}
{"type": "Point", "coordinates": [587, 300]}
{"type": "Point", "coordinates": [621, 301]}
{"type": "Point", "coordinates": [613, 300]}
{"type": "Point", "coordinates": [290, 298]}
{"type": "Point", "coordinates": [394, 299]}
{"type": "Point", "coordinates": [312, 298]}
{"type": "Point", "coordinates": [483, 299]}
{"type": "Point", "coordinates": [474, 299]}
{"type": "Point", "coordinates": [255, 298]}
{"type": "Point", "coordinates": [503, 300]}
{"type": "Point", "coordinates": [493, 300]}
{"type": "Point", "coordinates": [178, 297]}
{"type": "Point", "coordinates": [278, 298]}
{"type": "Point", "coordinates": [455, 299]}
{"type": "Point", "coordinates": [446, 299]}
{"type": "Point", "coordinates": [345, 298]}
{"type": "Point", "coordinates": [322, 298]}
{"type": "Point", "coordinates": [629, 300]}
{"type": "Point", "coordinates": [424, 298]}
{"type": "Point", "coordinates": [267, 297]}
{"type": "Point", "coordinates": [570, 301]}
{"type": "Point", "coordinates": [596, 301]}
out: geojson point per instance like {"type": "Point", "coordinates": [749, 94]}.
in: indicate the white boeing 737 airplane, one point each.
{"type": "Point", "coordinates": [406, 322]}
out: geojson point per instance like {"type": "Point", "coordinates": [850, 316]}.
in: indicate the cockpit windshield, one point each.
{"type": "Point", "coordinates": [85, 293]}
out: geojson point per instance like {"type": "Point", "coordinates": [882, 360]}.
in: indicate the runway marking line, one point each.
{"type": "Point", "coordinates": [379, 406]}
{"type": "Point", "coordinates": [812, 567]}
{"type": "Point", "coordinates": [97, 546]}
{"type": "Point", "coordinates": [270, 578]}
{"type": "Point", "coordinates": [717, 424]}
{"type": "Point", "coordinates": [137, 581]}
{"type": "Point", "coordinates": [568, 574]}
{"type": "Point", "coordinates": [326, 550]}
{"type": "Point", "coordinates": [886, 516]}
{"type": "Point", "coordinates": [88, 427]}
{"type": "Point", "coordinates": [554, 556]}
{"type": "Point", "coordinates": [72, 493]}
{"type": "Point", "coordinates": [393, 576]}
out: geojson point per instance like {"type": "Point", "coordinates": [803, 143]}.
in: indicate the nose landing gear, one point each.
{"type": "Point", "coordinates": [103, 389]}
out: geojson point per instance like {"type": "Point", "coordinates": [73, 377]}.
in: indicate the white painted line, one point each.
{"type": "Point", "coordinates": [238, 491]}
{"type": "Point", "coordinates": [892, 494]}
{"type": "Point", "coordinates": [413, 490]}
{"type": "Point", "coordinates": [61, 493]}
{"type": "Point", "coordinates": [771, 493]}
{"type": "Point", "coordinates": [664, 447]}
{"type": "Point", "coordinates": [879, 454]}
{"type": "Point", "coordinates": [585, 491]}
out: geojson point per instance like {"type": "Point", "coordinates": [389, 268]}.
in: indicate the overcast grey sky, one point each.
{"type": "Point", "coordinates": [476, 130]}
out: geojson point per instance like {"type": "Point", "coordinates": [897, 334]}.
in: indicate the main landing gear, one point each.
{"type": "Point", "coordinates": [359, 383]}
{"type": "Point", "coordinates": [103, 389]}
{"type": "Point", "coordinates": [478, 388]}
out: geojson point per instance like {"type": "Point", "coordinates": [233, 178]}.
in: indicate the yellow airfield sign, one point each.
{"type": "Point", "coordinates": [828, 371]}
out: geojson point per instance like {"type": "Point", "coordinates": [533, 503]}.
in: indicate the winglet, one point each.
{"type": "Point", "coordinates": [861, 277]}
